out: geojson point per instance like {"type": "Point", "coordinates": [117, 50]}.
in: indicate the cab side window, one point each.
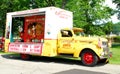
{"type": "Point", "coordinates": [66, 33]}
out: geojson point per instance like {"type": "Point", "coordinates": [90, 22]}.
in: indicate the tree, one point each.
{"type": "Point", "coordinates": [5, 6]}
{"type": "Point", "coordinates": [116, 28]}
{"type": "Point", "coordinates": [11, 6]}
{"type": "Point", "coordinates": [108, 27]}
{"type": "Point", "coordinates": [87, 13]}
{"type": "Point", "coordinates": [117, 10]}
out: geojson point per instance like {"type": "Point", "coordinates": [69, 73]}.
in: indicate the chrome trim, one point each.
{"type": "Point", "coordinates": [106, 53]}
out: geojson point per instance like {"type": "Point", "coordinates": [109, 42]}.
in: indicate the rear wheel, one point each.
{"type": "Point", "coordinates": [25, 56]}
{"type": "Point", "coordinates": [89, 58]}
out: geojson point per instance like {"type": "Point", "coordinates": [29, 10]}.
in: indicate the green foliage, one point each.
{"type": "Point", "coordinates": [94, 30]}
{"type": "Point", "coordinates": [116, 28]}
{"type": "Point", "coordinates": [107, 27]}
{"type": "Point", "coordinates": [116, 39]}
{"type": "Point", "coordinates": [87, 13]}
{"type": "Point", "coordinates": [117, 11]}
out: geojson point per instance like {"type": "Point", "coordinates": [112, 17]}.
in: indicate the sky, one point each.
{"type": "Point", "coordinates": [110, 4]}
{"type": "Point", "coordinates": [113, 6]}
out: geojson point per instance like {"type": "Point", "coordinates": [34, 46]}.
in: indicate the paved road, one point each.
{"type": "Point", "coordinates": [11, 64]}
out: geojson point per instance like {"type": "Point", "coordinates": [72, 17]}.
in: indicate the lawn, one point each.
{"type": "Point", "coordinates": [2, 52]}
{"type": "Point", "coordinates": [116, 54]}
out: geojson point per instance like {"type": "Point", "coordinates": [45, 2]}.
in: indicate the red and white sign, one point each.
{"type": "Point", "coordinates": [27, 48]}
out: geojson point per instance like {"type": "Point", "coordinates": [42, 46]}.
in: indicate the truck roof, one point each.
{"type": "Point", "coordinates": [77, 29]}
{"type": "Point", "coordinates": [37, 11]}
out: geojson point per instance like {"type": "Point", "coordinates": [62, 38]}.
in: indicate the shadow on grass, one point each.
{"type": "Point", "coordinates": [48, 59]}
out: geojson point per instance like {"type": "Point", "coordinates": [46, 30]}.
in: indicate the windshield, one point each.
{"type": "Point", "coordinates": [80, 34]}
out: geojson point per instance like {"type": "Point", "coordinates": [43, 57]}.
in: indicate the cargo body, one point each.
{"type": "Point", "coordinates": [49, 32]}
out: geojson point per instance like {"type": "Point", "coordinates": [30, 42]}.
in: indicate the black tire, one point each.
{"type": "Point", "coordinates": [25, 56]}
{"type": "Point", "coordinates": [105, 61]}
{"type": "Point", "coordinates": [89, 58]}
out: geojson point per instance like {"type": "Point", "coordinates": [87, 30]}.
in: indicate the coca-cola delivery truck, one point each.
{"type": "Point", "coordinates": [49, 32]}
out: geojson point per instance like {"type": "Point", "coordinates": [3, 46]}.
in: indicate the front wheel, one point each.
{"type": "Point", "coordinates": [105, 61]}
{"type": "Point", "coordinates": [89, 58]}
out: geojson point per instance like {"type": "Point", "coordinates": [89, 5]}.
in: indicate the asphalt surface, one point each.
{"type": "Point", "coordinates": [78, 71]}
{"type": "Point", "coordinates": [12, 64]}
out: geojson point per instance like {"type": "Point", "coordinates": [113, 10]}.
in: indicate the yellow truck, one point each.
{"type": "Point", "coordinates": [49, 32]}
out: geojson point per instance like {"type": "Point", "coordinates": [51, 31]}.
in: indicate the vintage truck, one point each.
{"type": "Point", "coordinates": [49, 32]}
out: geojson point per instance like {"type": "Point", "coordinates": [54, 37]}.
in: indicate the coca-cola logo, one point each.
{"type": "Point", "coordinates": [62, 14]}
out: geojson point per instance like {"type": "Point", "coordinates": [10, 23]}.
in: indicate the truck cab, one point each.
{"type": "Point", "coordinates": [89, 49]}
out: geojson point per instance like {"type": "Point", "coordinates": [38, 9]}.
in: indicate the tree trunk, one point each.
{"type": "Point", "coordinates": [64, 2]}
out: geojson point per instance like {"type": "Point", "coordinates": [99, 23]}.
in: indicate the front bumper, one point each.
{"type": "Point", "coordinates": [106, 53]}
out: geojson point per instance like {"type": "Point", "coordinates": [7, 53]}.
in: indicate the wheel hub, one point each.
{"type": "Point", "coordinates": [88, 58]}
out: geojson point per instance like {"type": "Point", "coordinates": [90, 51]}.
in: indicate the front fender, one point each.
{"type": "Point", "coordinates": [80, 48]}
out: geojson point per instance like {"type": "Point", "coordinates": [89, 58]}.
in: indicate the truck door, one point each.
{"type": "Point", "coordinates": [66, 42]}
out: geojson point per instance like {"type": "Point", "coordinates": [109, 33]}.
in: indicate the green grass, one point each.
{"type": "Point", "coordinates": [116, 54]}
{"type": "Point", "coordinates": [2, 52]}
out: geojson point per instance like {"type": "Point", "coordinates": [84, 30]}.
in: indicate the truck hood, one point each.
{"type": "Point", "coordinates": [90, 39]}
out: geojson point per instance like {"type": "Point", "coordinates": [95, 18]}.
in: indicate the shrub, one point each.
{"type": "Point", "coordinates": [116, 39]}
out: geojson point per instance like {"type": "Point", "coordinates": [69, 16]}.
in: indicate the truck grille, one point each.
{"type": "Point", "coordinates": [105, 48]}
{"type": "Point", "coordinates": [106, 51]}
